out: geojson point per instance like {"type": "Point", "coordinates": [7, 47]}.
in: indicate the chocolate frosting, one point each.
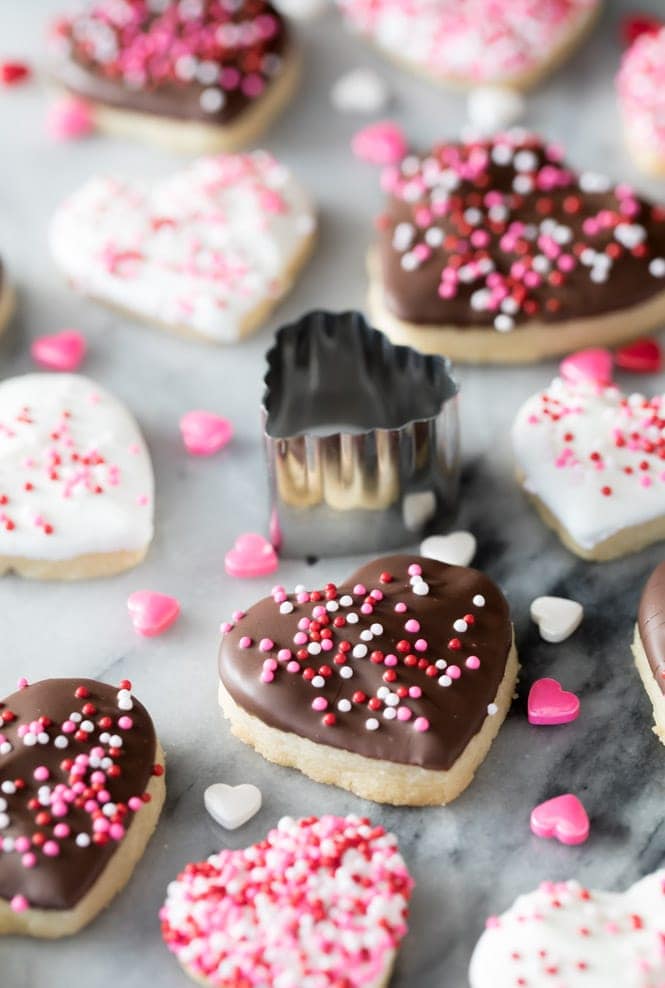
{"type": "Point", "coordinates": [59, 882]}
{"type": "Point", "coordinates": [173, 63]}
{"type": "Point", "coordinates": [562, 247]}
{"type": "Point", "coordinates": [454, 700]}
{"type": "Point", "coordinates": [651, 623]}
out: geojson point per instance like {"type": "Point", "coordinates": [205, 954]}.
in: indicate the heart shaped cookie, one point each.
{"type": "Point", "coordinates": [76, 486]}
{"type": "Point", "coordinates": [565, 934]}
{"type": "Point", "coordinates": [207, 252]}
{"type": "Point", "coordinates": [81, 789]}
{"type": "Point", "coordinates": [497, 251]}
{"type": "Point", "coordinates": [590, 458]}
{"type": "Point", "coordinates": [649, 645]}
{"type": "Point", "coordinates": [466, 42]}
{"type": "Point", "coordinates": [392, 684]}
{"type": "Point", "coordinates": [641, 100]}
{"type": "Point", "coordinates": [320, 902]}
{"type": "Point", "coordinates": [200, 76]}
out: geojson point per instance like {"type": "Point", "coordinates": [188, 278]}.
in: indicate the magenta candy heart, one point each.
{"type": "Point", "coordinates": [592, 366]}
{"type": "Point", "coordinates": [252, 555]}
{"type": "Point", "coordinates": [70, 118]}
{"type": "Point", "coordinates": [152, 613]}
{"type": "Point", "coordinates": [63, 351]}
{"type": "Point", "coordinates": [380, 143]}
{"type": "Point", "coordinates": [563, 818]}
{"type": "Point", "coordinates": [204, 433]}
{"type": "Point", "coordinates": [550, 704]}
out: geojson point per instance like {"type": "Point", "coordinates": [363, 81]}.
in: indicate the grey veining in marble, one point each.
{"type": "Point", "coordinates": [472, 858]}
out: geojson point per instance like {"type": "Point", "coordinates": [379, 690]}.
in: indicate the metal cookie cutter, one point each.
{"type": "Point", "coordinates": [361, 437]}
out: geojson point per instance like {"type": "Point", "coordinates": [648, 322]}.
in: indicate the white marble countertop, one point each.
{"type": "Point", "coordinates": [471, 858]}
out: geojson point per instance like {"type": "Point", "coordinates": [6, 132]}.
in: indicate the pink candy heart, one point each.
{"type": "Point", "coordinates": [550, 704]}
{"type": "Point", "coordinates": [592, 366]}
{"type": "Point", "coordinates": [204, 433]}
{"type": "Point", "coordinates": [63, 351]}
{"type": "Point", "coordinates": [381, 143]}
{"type": "Point", "coordinates": [252, 555]}
{"type": "Point", "coordinates": [152, 613]}
{"type": "Point", "coordinates": [69, 119]}
{"type": "Point", "coordinates": [563, 818]}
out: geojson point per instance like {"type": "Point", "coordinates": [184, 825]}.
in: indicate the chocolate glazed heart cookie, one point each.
{"type": "Point", "coordinates": [649, 645]}
{"type": "Point", "coordinates": [203, 76]}
{"type": "Point", "coordinates": [497, 251]}
{"type": "Point", "coordinates": [392, 685]}
{"type": "Point", "coordinates": [81, 790]}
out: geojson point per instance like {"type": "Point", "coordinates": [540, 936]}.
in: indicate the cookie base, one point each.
{"type": "Point", "coordinates": [370, 778]}
{"type": "Point", "coordinates": [654, 691]}
{"type": "Point", "coordinates": [7, 305]}
{"type": "Point", "coordinates": [196, 137]}
{"type": "Point", "coordinates": [646, 160]}
{"type": "Point", "coordinates": [527, 343]}
{"type": "Point", "coordinates": [50, 924]}
{"type": "Point", "coordinates": [87, 567]}
{"type": "Point", "coordinates": [521, 81]}
{"type": "Point", "coordinates": [251, 322]}
{"type": "Point", "coordinates": [382, 981]}
{"type": "Point", "coordinates": [625, 542]}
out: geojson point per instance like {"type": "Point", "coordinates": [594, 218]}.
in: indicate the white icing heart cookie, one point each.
{"type": "Point", "coordinates": [564, 934]}
{"type": "Point", "coordinates": [589, 457]}
{"type": "Point", "coordinates": [472, 42]}
{"type": "Point", "coordinates": [321, 902]}
{"type": "Point", "coordinates": [76, 485]}
{"type": "Point", "coordinates": [207, 252]}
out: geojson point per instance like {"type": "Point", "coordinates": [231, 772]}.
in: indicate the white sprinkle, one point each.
{"type": "Point", "coordinates": [504, 323]}
{"type": "Point", "coordinates": [29, 739]}
{"type": "Point", "coordinates": [376, 629]}
{"type": "Point", "coordinates": [346, 672]}
{"type": "Point", "coordinates": [390, 713]}
{"type": "Point", "coordinates": [83, 840]}
{"type": "Point", "coordinates": [525, 161]}
{"type": "Point", "coordinates": [332, 606]}
{"type": "Point", "coordinates": [372, 724]}
{"type": "Point", "coordinates": [359, 651]}
{"type": "Point", "coordinates": [441, 664]}
{"type": "Point", "coordinates": [344, 706]}
{"type": "Point", "coordinates": [314, 648]}
{"type": "Point", "coordinates": [403, 235]}
{"type": "Point", "coordinates": [594, 182]}
{"type": "Point", "coordinates": [421, 589]}
{"type": "Point", "coordinates": [5, 748]}
{"type": "Point", "coordinates": [366, 635]}
{"type": "Point", "coordinates": [392, 700]}
{"type": "Point", "coordinates": [286, 607]}
{"type": "Point", "coordinates": [212, 100]}
{"type": "Point", "coordinates": [3, 804]}
{"type": "Point", "coordinates": [460, 625]}
{"type": "Point", "coordinates": [657, 267]}
{"type": "Point", "coordinates": [479, 600]}
{"type": "Point", "coordinates": [76, 717]}
{"type": "Point", "coordinates": [492, 709]}
{"type": "Point", "coordinates": [352, 617]}
{"type": "Point", "coordinates": [87, 726]}
{"type": "Point", "coordinates": [346, 601]}
{"type": "Point", "coordinates": [318, 682]}
{"type": "Point", "coordinates": [445, 681]}
{"type": "Point", "coordinates": [4, 821]}
{"type": "Point", "coordinates": [382, 692]}
{"type": "Point", "coordinates": [61, 741]}
{"type": "Point", "coordinates": [434, 236]}
{"type": "Point", "coordinates": [8, 788]}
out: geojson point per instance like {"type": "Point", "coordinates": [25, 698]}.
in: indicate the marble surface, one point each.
{"type": "Point", "coordinates": [472, 858]}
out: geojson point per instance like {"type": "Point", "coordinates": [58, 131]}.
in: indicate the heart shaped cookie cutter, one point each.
{"type": "Point", "coordinates": [361, 438]}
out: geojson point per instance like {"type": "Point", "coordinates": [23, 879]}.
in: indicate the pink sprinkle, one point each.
{"type": "Point", "coordinates": [403, 713]}
{"type": "Point", "coordinates": [454, 672]}
{"type": "Point", "coordinates": [412, 626]}
{"type": "Point", "coordinates": [415, 569]}
{"type": "Point", "coordinates": [270, 665]}
{"type": "Point", "coordinates": [304, 623]}
{"type": "Point", "coordinates": [135, 803]}
{"type": "Point", "coordinates": [293, 666]}
{"type": "Point", "coordinates": [51, 849]}
{"type": "Point", "coordinates": [41, 773]}
{"type": "Point", "coordinates": [473, 662]}
{"type": "Point", "coordinates": [415, 692]}
{"type": "Point", "coordinates": [400, 607]}
{"type": "Point", "coordinates": [19, 904]}
{"type": "Point", "coordinates": [22, 683]}
{"type": "Point", "coordinates": [267, 676]}
{"type": "Point", "coordinates": [116, 831]}
{"type": "Point", "coordinates": [266, 644]}
{"type": "Point", "coordinates": [300, 638]}
{"type": "Point", "coordinates": [125, 723]}
{"type": "Point", "coordinates": [421, 724]}
{"type": "Point", "coordinates": [327, 645]}
{"type": "Point", "coordinates": [390, 660]}
{"type": "Point", "coordinates": [225, 627]}
{"type": "Point", "coordinates": [29, 860]}
{"type": "Point", "coordinates": [245, 642]}
{"type": "Point", "coordinates": [359, 589]}
{"type": "Point", "coordinates": [284, 654]}
{"type": "Point", "coordinates": [421, 645]}
{"type": "Point", "coordinates": [61, 830]}
{"type": "Point", "coordinates": [366, 609]}
{"type": "Point", "coordinates": [319, 703]}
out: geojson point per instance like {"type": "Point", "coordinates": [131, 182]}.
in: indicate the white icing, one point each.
{"type": "Point", "coordinates": [564, 936]}
{"type": "Point", "coordinates": [202, 248]}
{"type": "Point", "coordinates": [49, 453]}
{"type": "Point", "coordinates": [571, 483]}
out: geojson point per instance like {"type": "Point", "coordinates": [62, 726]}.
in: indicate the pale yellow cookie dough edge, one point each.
{"type": "Point", "coordinates": [86, 567]}
{"type": "Point", "coordinates": [51, 924]}
{"type": "Point", "coordinates": [654, 692]}
{"type": "Point", "coordinates": [370, 778]}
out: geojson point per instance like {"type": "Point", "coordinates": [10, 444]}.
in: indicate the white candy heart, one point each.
{"type": "Point", "coordinates": [231, 806]}
{"type": "Point", "coordinates": [493, 108]}
{"type": "Point", "coordinates": [457, 548]}
{"type": "Point", "coordinates": [359, 91]}
{"type": "Point", "coordinates": [557, 617]}
{"type": "Point", "coordinates": [565, 934]}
